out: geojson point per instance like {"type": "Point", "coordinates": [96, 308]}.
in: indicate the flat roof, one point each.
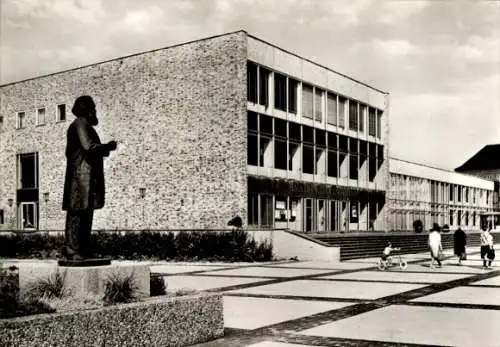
{"type": "Point", "coordinates": [186, 43]}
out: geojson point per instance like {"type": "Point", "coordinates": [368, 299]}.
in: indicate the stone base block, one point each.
{"type": "Point", "coordinates": [85, 281]}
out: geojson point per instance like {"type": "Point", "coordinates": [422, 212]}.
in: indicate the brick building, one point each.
{"type": "Point", "coordinates": [206, 130]}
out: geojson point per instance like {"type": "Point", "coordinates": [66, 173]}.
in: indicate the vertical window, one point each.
{"type": "Point", "coordinates": [332, 109]}
{"type": "Point", "coordinates": [308, 155]}
{"type": "Point", "coordinates": [294, 130]}
{"type": "Point", "coordinates": [353, 115]}
{"type": "Point", "coordinates": [40, 116]}
{"type": "Point", "coordinates": [362, 111]}
{"type": "Point", "coordinates": [1, 217]}
{"type": "Point", "coordinates": [253, 146]}
{"type": "Point", "coordinates": [459, 195]}
{"type": "Point", "coordinates": [27, 166]}
{"type": "Point", "coordinates": [307, 101]}
{"type": "Point", "coordinates": [342, 102]}
{"type": "Point", "coordinates": [280, 146]}
{"type": "Point", "coordinates": [252, 82]}
{"type": "Point", "coordinates": [20, 119]}
{"type": "Point", "coordinates": [372, 162]}
{"type": "Point", "coordinates": [264, 86]}
{"type": "Point", "coordinates": [353, 159]}
{"type": "Point", "coordinates": [318, 105]}
{"type": "Point", "coordinates": [379, 124]}
{"type": "Point", "coordinates": [253, 209]}
{"type": "Point", "coordinates": [292, 95]}
{"type": "Point", "coordinates": [452, 192]}
{"type": "Point", "coordinates": [265, 138]}
{"type": "Point", "coordinates": [61, 113]}
{"type": "Point", "coordinates": [372, 122]}
{"type": "Point", "coordinates": [29, 215]}
{"type": "Point", "coordinates": [474, 218]}
{"type": "Point", "coordinates": [279, 91]}
{"type": "Point", "coordinates": [266, 211]}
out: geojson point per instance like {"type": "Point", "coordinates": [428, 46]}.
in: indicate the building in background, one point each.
{"type": "Point", "coordinates": [431, 195]}
{"type": "Point", "coordinates": [207, 130]}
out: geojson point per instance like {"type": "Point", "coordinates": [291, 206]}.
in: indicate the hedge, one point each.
{"type": "Point", "coordinates": [235, 245]}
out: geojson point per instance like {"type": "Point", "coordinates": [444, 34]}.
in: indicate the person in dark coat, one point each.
{"type": "Point", "coordinates": [459, 243]}
{"type": "Point", "coordinates": [84, 181]}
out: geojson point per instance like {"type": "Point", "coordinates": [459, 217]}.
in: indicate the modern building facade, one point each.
{"type": "Point", "coordinates": [207, 130]}
{"type": "Point", "coordinates": [431, 195]}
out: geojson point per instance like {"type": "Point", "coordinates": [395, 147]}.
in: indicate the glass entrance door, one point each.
{"type": "Point", "coordinates": [321, 216]}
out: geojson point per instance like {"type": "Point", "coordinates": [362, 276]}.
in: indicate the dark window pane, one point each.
{"type": "Point", "coordinates": [353, 115]}
{"type": "Point", "coordinates": [252, 151]}
{"type": "Point", "coordinates": [252, 82]}
{"type": "Point", "coordinates": [264, 86]}
{"type": "Point", "coordinates": [266, 124]}
{"type": "Point", "coordinates": [343, 143]}
{"type": "Point", "coordinates": [252, 118]}
{"type": "Point", "coordinates": [353, 166]}
{"type": "Point", "coordinates": [332, 163]}
{"type": "Point", "coordinates": [280, 154]}
{"type": "Point", "coordinates": [308, 160]}
{"type": "Point", "coordinates": [308, 134]}
{"type": "Point", "coordinates": [320, 138]}
{"type": "Point", "coordinates": [280, 127]}
{"type": "Point", "coordinates": [294, 129]}
{"type": "Point", "coordinates": [292, 95]}
{"type": "Point", "coordinates": [279, 91]}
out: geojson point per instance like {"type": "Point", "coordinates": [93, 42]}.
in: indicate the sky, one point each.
{"type": "Point", "coordinates": [439, 60]}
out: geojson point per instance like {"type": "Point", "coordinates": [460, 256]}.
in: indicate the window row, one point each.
{"type": "Point", "coordinates": [309, 150]}
{"type": "Point", "coordinates": [315, 102]}
{"type": "Point", "coordinates": [40, 116]}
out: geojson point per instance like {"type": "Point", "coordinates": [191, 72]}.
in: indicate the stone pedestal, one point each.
{"type": "Point", "coordinates": [89, 280]}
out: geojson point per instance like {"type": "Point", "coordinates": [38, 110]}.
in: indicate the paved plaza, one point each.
{"type": "Point", "coordinates": [350, 303]}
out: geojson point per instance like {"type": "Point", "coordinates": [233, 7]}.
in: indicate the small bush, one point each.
{"type": "Point", "coordinates": [183, 292]}
{"type": "Point", "coordinates": [120, 289]}
{"type": "Point", "coordinates": [52, 287]}
{"type": "Point", "coordinates": [9, 291]}
{"type": "Point", "coordinates": [157, 285]}
{"type": "Point", "coordinates": [187, 245]}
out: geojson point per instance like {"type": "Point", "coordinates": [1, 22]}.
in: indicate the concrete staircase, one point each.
{"type": "Point", "coordinates": [355, 246]}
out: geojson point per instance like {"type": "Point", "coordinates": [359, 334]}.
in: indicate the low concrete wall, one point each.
{"type": "Point", "coordinates": [159, 321]}
{"type": "Point", "coordinates": [80, 281]}
{"type": "Point", "coordinates": [288, 244]}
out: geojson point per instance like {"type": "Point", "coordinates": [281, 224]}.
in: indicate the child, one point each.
{"type": "Point", "coordinates": [387, 251]}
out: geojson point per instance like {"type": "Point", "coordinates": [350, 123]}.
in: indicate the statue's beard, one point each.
{"type": "Point", "coordinates": [92, 119]}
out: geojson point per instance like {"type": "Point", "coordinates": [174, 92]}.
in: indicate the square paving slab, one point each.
{"type": "Point", "coordinates": [419, 325]}
{"type": "Point", "coordinates": [261, 271]}
{"type": "Point", "coordinates": [465, 295]}
{"type": "Point", "coordinates": [175, 269]}
{"type": "Point", "coordinates": [204, 282]}
{"type": "Point", "coordinates": [327, 265]}
{"type": "Point", "coordinates": [399, 276]}
{"type": "Point", "coordinates": [493, 281]}
{"type": "Point", "coordinates": [331, 289]}
{"type": "Point", "coordinates": [252, 313]}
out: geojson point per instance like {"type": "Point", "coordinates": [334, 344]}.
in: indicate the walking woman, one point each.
{"type": "Point", "coordinates": [459, 243]}
{"type": "Point", "coordinates": [435, 245]}
{"type": "Point", "coordinates": [487, 250]}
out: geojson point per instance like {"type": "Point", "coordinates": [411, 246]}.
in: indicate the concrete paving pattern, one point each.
{"type": "Point", "coordinates": [352, 303]}
{"type": "Point", "coordinates": [300, 304]}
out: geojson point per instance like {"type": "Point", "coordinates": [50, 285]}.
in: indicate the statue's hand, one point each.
{"type": "Point", "coordinates": [111, 145]}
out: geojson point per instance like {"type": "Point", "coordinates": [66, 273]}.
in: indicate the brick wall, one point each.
{"type": "Point", "coordinates": [179, 116]}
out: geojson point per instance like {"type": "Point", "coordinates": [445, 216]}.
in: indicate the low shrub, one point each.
{"type": "Point", "coordinates": [157, 285]}
{"type": "Point", "coordinates": [9, 290]}
{"type": "Point", "coordinates": [120, 289]}
{"type": "Point", "coordinates": [418, 226]}
{"type": "Point", "coordinates": [235, 245]}
{"type": "Point", "coordinates": [51, 287]}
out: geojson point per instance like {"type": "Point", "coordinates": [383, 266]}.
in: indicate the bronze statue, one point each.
{"type": "Point", "coordinates": [84, 183]}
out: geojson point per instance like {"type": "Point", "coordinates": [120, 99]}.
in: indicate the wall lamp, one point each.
{"type": "Point", "coordinates": [142, 192]}
{"type": "Point", "coordinates": [46, 197]}
{"type": "Point", "coordinates": [10, 202]}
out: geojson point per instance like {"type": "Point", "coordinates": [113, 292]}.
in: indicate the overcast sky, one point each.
{"type": "Point", "coordinates": [439, 60]}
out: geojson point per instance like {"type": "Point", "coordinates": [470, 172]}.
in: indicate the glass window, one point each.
{"type": "Point", "coordinates": [362, 111]}
{"type": "Point", "coordinates": [40, 116]}
{"type": "Point", "coordinates": [342, 102]}
{"type": "Point", "coordinates": [292, 95]}
{"type": "Point", "coordinates": [252, 82]}
{"type": "Point", "coordinates": [353, 115]}
{"type": "Point", "coordinates": [318, 104]}
{"type": "Point", "coordinates": [61, 113]}
{"type": "Point", "coordinates": [307, 101]}
{"type": "Point", "coordinates": [279, 91]}
{"type": "Point", "coordinates": [332, 109]}
{"type": "Point", "coordinates": [20, 120]}
{"type": "Point", "coordinates": [379, 124]}
{"type": "Point", "coordinates": [264, 86]}
{"type": "Point", "coordinates": [372, 122]}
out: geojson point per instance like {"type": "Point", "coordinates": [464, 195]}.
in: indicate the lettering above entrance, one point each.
{"type": "Point", "coordinates": [264, 185]}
